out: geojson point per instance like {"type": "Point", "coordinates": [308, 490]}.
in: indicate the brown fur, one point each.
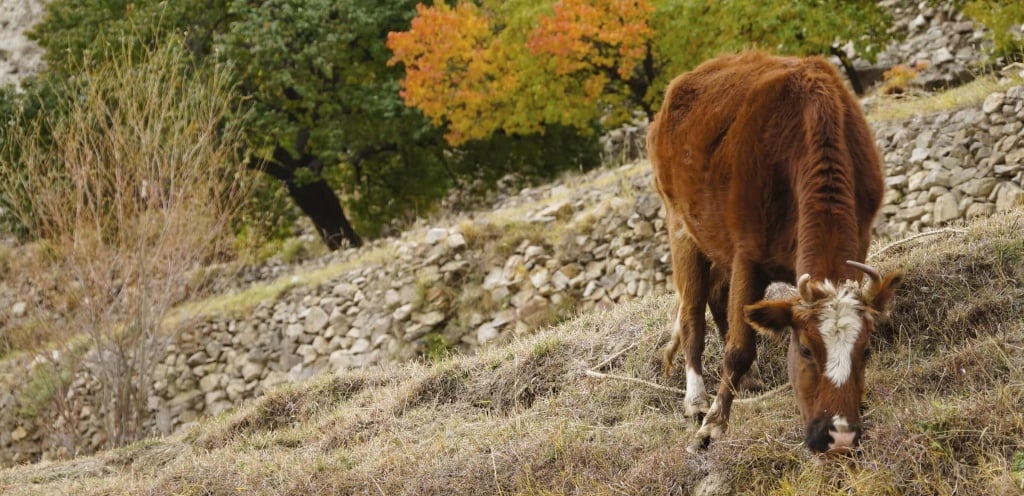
{"type": "Point", "coordinates": [767, 169]}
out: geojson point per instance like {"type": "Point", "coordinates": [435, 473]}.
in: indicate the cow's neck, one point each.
{"type": "Point", "coordinates": [827, 230]}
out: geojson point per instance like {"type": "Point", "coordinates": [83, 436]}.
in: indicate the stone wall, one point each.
{"type": "Point", "coordinates": [19, 57]}
{"type": "Point", "coordinates": [448, 288]}
{"type": "Point", "coordinates": [953, 165]}
{"type": "Point", "coordinates": [937, 36]}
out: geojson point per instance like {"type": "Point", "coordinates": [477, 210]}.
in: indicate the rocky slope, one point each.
{"type": "Point", "coordinates": [943, 414]}
{"type": "Point", "coordinates": [581, 244]}
{"type": "Point", "coordinates": [586, 243]}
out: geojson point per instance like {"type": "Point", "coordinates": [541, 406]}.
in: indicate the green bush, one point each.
{"type": "Point", "coordinates": [1006, 20]}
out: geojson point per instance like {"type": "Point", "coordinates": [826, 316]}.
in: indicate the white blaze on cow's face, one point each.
{"type": "Point", "coordinates": [832, 329]}
{"type": "Point", "coordinates": [840, 318]}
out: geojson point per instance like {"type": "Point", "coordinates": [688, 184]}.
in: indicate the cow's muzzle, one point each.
{"type": "Point", "coordinates": [832, 435]}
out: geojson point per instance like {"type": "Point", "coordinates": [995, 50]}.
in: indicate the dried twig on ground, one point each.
{"type": "Point", "coordinates": [916, 236]}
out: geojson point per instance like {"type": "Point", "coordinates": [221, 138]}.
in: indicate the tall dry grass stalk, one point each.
{"type": "Point", "coordinates": [130, 186]}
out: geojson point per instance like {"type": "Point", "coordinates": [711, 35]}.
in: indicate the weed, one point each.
{"type": "Point", "coordinates": [6, 254]}
{"type": "Point", "coordinates": [546, 345]}
{"type": "Point", "coordinates": [515, 233]}
{"type": "Point", "coordinates": [44, 381]}
{"type": "Point", "coordinates": [294, 250]}
{"type": "Point", "coordinates": [436, 348]}
{"type": "Point", "coordinates": [1017, 467]}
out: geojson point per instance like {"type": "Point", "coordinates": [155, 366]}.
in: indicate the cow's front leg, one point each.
{"type": "Point", "coordinates": [746, 286]}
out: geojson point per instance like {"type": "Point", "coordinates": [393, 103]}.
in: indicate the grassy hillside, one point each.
{"type": "Point", "coordinates": [945, 410]}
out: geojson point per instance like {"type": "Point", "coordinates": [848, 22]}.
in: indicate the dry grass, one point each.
{"type": "Point", "coordinates": [902, 107]}
{"type": "Point", "coordinates": [945, 411]}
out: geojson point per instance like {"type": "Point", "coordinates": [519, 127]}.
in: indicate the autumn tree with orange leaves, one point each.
{"type": "Point", "coordinates": [602, 47]}
{"type": "Point", "coordinates": [573, 67]}
{"type": "Point", "coordinates": [477, 69]}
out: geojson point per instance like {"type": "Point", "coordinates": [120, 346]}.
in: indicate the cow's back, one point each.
{"type": "Point", "coordinates": [722, 147]}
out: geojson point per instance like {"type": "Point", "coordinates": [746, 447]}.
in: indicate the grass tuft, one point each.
{"type": "Point", "coordinates": [902, 107]}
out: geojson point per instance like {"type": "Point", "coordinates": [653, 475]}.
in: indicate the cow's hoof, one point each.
{"type": "Point", "coordinates": [707, 433]}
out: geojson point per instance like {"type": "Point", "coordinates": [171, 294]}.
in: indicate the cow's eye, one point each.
{"type": "Point", "coordinates": [805, 352]}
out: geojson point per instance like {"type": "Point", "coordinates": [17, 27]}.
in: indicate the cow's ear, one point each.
{"type": "Point", "coordinates": [881, 295]}
{"type": "Point", "coordinates": [770, 317]}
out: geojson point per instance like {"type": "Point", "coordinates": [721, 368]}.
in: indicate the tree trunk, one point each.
{"type": "Point", "coordinates": [851, 73]}
{"type": "Point", "coordinates": [318, 201]}
{"type": "Point", "coordinates": [315, 198]}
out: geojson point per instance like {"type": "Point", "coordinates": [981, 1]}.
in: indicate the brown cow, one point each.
{"type": "Point", "coordinates": [767, 169]}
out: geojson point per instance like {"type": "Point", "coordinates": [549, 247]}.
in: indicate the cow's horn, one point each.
{"type": "Point", "coordinates": [867, 269]}
{"type": "Point", "coordinates": [804, 288]}
{"type": "Point", "coordinates": [873, 275]}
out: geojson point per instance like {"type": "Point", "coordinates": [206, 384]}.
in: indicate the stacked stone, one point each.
{"type": "Point", "coordinates": [953, 165]}
{"type": "Point", "coordinates": [389, 312]}
{"type": "Point", "coordinates": [432, 287]}
{"type": "Point", "coordinates": [950, 45]}
{"type": "Point", "coordinates": [73, 422]}
{"type": "Point", "coordinates": [941, 168]}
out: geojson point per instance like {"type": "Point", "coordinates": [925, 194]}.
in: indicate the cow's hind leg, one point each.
{"type": "Point", "coordinates": [690, 272]}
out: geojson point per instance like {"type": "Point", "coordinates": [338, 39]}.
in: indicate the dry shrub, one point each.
{"type": "Point", "coordinates": [131, 184]}
{"type": "Point", "coordinates": [898, 79]}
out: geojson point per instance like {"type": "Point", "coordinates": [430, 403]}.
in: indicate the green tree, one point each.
{"type": "Point", "coordinates": [1006, 20]}
{"type": "Point", "coordinates": [691, 31]}
{"type": "Point", "coordinates": [76, 34]}
{"type": "Point", "coordinates": [317, 75]}
{"type": "Point", "coordinates": [326, 111]}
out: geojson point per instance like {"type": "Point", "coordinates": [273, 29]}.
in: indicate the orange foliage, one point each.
{"type": "Point", "coordinates": [582, 34]}
{"type": "Point", "coordinates": [465, 72]}
{"type": "Point", "coordinates": [897, 80]}
{"type": "Point", "coordinates": [451, 59]}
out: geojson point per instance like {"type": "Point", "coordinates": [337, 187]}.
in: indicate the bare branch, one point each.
{"type": "Point", "coordinates": [916, 236]}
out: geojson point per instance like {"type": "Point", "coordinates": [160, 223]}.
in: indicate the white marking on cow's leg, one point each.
{"type": "Point", "coordinates": [840, 326]}
{"type": "Point", "coordinates": [696, 400]}
{"type": "Point", "coordinates": [842, 435]}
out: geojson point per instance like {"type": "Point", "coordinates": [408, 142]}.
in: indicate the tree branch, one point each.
{"type": "Point", "coordinates": [911, 238]}
{"type": "Point", "coordinates": [649, 384]}
{"type": "Point", "coordinates": [851, 73]}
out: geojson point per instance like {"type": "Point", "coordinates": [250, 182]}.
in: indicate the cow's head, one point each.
{"type": "Point", "coordinates": [828, 350]}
